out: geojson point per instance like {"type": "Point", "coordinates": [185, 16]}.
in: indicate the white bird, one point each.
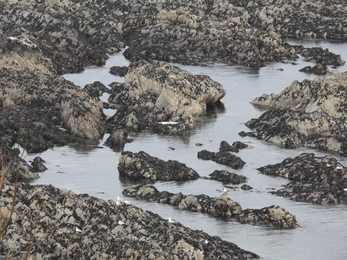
{"type": "Point", "coordinates": [171, 220]}
{"type": "Point", "coordinates": [206, 241]}
{"type": "Point", "coordinates": [339, 168]}
{"type": "Point", "coordinates": [118, 202]}
{"type": "Point", "coordinates": [127, 202]}
{"type": "Point", "coordinates": [328, 164]}
{"type": "Point", "coordinates": [345, 189]}
{"type": "Point", "coordinates": [120, 222]}
{"type": "Point", "coordinates": [225, 189]}
{"type": "Point", "coordinates": [119, 199]}
{"type": "Point", "coordinates": [77, 229]}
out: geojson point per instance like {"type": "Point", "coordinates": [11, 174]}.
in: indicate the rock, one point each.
{"type": "Point", "coordinates": [310, 113]}
{"type": "Point", "coordinates": [38, 165]}
{"type": "Point", "coordinates": [246, 187]}
{"type": "Point", "coordinates": [298, 19]}
{"type": "Point", "coordinates": [225, 158]}
{"type": "Point", "coordinates": [319, 180]}
{"type": "Point", "coordinates": [225, 147]}
{"type": "Point", "coordinates": [143, 166]}
{"type": "Point", "coordinates": [71, 226]}
{"type": "Point", "coordinates": [120, 71]}
{"type": "Point", "coordinates": [227, 177]}
{"type": "Point", "coordinates": [96, 89]}
{"type": "Point", "coordinates": [318, 69]}
{"type": "Point", "coordinates": [117, 139]}
{"type": "Point", "coordinates": [38, 108]}
{"type": "Point", "coordinates": [273, 216]}
{"type": "Point", "coordinates": [162, 97]}
{"type": "Point", "coordinates": [222, 207]}
{"type": "Point", "coordinates": [240, 145]}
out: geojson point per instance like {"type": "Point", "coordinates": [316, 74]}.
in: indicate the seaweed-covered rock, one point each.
{"type": "Point", "coordinates": [320, 180]}
{"type": "Point", "coordinates": [227, 177]}
{"type": "Point", "coordinates": [120, 71]}
{"type": "Point", "coordinates": [221, 206]}
{"type": "Point", "coordinates": [58, 224]}
{"type": "Point", "coordinates": [310, 113]}
{"type": "Point", "coordinates": [226, 147]}
{"type": "Point", "coordinates": [225, 158]}
{"type": "Point", "coordinates": [158, 94]}
{"type": "Point", "coordinates": [143, 166]}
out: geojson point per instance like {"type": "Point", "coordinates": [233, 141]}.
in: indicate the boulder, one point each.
{"type": "Point", "coordinates": [227, 177]}
{"type": "Point", "coordinates": [226, 147]}
{"type": "Point", "coordinates": [310, 113]}
{"type": "Point", "coordinates": [96, 89]}
{"type": "Point", "coordinates": [79, 226]}
{"type": "Point", "coordinates": [120, 71]}
{"type": "Point", "coordinates": [319, 180]}
{"type": "Point", "coordinates": [318, 69]}
{"type": "Point", "coordinates": [158, 95]}
{"type": "Point", "coordinates": [143, 166]}
{"type": "Point", "coordinates": [221, 207]}
{"type": "Point", "coordinates": [225, 158]}
{"type": "Point", "coordinates": [117, 139]}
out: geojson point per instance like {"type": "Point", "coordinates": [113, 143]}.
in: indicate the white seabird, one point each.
{"type": "Point", "coordinates": [120, 222]}
{"type": "Point", "coordinates": [171, 220]}
{"type": "Point", "coordinates": [338, 167]}
{"type": "Point", "coordinates": [77, 229]}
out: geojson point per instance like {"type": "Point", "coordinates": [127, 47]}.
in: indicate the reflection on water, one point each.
{"type": "Point", "coordinates": [92, 168]}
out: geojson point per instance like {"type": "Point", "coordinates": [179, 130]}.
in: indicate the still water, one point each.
{"type": "Point", "coordinates": [92, 169]}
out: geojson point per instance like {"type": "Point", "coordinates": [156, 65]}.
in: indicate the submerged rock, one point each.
{"type": "Point", "coordinates": [58, 224]}
{"type": "Point", "coordinates": [310, 113]}
{"type": "Point", "coordinates": [157, 95]}
{"type": "Point", "coordinates": [227, 177]}
{"type": "Point", "coordinates": [320, 180]}
{"type": "Point", "coordinates": [222, 207]}
{"type": "Point", "coordinates": [225, 158]}
{"type": "Point", "coordinates": [143, 166]}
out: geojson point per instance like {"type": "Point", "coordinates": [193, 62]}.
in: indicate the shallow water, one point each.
{"type": "Point", "coordinates": [92, 169]}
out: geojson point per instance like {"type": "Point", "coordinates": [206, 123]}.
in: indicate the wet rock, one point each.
{"type": "Point", "coordinates": [117, 139]}
{"type": "Point", "coordinates": [240, 145]}
{"type": "Point", "coordinates": [246, 187]}
{"type": "Point", "coordinates": [38, 108]}
{"type": "Point", "coordinates": [316, 19]}
{"type": "Point", "coordinates": [227, 177]}
{"type": "Point", "coordinates": [120, 71]}
{"type": "Point", "coordinates": [225, 158]}
{"type": "Point", "coordinates": [222, 207]}
{"type": "Point", "coordinates": [13, 167]}
{"type": "Point", "coordinates": [320, 180]}
{"type": "Point", "coordinates": [318, 69]}
{"type": "Point", "coordinates": [71, 226]}
{"type": "Point", "coordinates": [309, 113]}
{"type": "Point", "coordinates": [96, 89]}
{"type": "Point", "coordinates": [225, 147]}
{"type": "Point", "coordinates": [143, 166]}
{"type": "Point", "coordinates": [269, 216]}
{"type": "Point", "coordinates": [38, 165]}
{"type": "Point", "coordinates": [162, 97]}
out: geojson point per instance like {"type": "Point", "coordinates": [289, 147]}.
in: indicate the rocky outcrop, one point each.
{"type": "Point", "coordinates": [320, 180]}
{"type": "Point", "coordinates": [120, 71]}
{"type": "Point", "coordinates": [75, 35]}
{"type": "Point", "coordinates": [235, 147]}
{"type": "Point", "coordinates": [222, 207]}
{"type": "Point", "coordinates": [317, 19]}
{"type": "Point", "coordinates": [143, 166]}
{"type": "Point", "coordinates": [227, 177]}
{"type": "Point", "coordinates": [117, 139]}
{"type": "Point", "coordinates": [58, 224]}
{"type": "Point", "coordinates": [225, 158]}
{"type": "Point", "coordinates": [310, 113]}
{"type": "Point", "coordinates": [38, 108]}
{"type": "Point", "coordinates": [158, 95]}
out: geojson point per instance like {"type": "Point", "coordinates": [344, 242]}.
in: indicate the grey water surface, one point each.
{"type": "Point", "coordinates": [92, 169]}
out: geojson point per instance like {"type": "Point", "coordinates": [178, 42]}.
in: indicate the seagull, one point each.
{"type": "Point", "coordinates": [120, 222]}
{"type": "Point", "coordinates": [206, 241]}
{"type": "Point", "coordinates": [328, 164]}
{"type": "Point", "coordinates": [127, 202]}
{"type": "Point", "coordinates": [345, 189]}
{"type": "Point", "coordinates": [225, 190]}
{"type": "Point", "coordinates": [339, 168]}
{"type": "Point", "coordinates": [171, 220]}
{"type": "Point", "coordinates": [119, 199]}
{"type": "Point", "coordinates": [77, 229]}
{"type": "Point", "coordinates": [118, 202]}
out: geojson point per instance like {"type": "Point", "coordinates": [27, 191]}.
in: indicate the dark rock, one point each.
{"type": "Point", "coordinates": [70, 226]}
{"type": "Point", "coordinates": [143, 166]}
{"type": "Point", "coordinates": [318, 69]}
{"type": "Point", "coordinates": [38, 165]}
{"type": "Point", "coordinates": [96, 89]}
{"type": "Point", "coordinates": [222, 207]}
{"type": "Point", "coordinates": [225, 158]}
{"type": "Point", "coordinates": [320, 180]}
{"type": "Point", "coordinates": [306, 113]}
{"type": "Point", "coordinates": [227, 177]}
{"type": "Point", "coordinates": [117, 139]}
{"type": "Point", "coordinates": [120, 71]}
{"type": "Point", "coordinates": [240, 145]}
{"type": "Point", "coordinates": [246, 187]}
{"type": "Point", "coordinates": [226, 147]}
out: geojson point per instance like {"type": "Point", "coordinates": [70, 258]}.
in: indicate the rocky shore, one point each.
{"type": "Point", "coordinates": [57, 224]}
{"type": "Point", "coordinates": [319, 180]}
{"type": "Point", "coordinates": [222, 207]}
{"type": "Point", "coordinates": [39, 109]}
